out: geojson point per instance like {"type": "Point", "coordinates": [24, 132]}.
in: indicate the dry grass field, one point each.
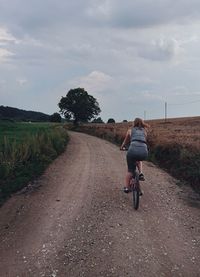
{"type": "Point", "coordinates": [184, 131]}
{"type": "Point", "coordinates": [174, 144]}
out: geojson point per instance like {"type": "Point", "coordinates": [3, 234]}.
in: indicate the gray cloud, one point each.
{"type": "Point", "coordinates": [160, 50]}
{"type": "Point", "coordinates": [143, 13]}
{"type": "Point", "coordinates": [122, 52]}
{"type": "Point", "coordinates": [40, 16]}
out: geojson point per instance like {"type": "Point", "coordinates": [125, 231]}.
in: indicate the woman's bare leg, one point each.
{"type": "Point", "coordinates": [128, 178]}
{"type": "Point", "coordinates": [139, 166]}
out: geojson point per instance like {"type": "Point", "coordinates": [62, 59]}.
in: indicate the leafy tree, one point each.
{"type": "Point", "coordinates": [124, 120]}
{"type": "Point", "coordinates": [111, 120]}
{"type": "Point", "coordinates": [79, 105]}
{"type": "Point", "coordinates": [55, 117]}
{"type": "Point", "coordinates": [97, 120]}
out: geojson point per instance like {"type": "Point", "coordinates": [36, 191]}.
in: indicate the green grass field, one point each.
{"type": "Point", "coordinates": [26, 149]}
{"type": "Point", "coordinates": [19, 131]}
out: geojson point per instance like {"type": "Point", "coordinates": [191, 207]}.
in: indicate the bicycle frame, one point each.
{"type": "Point", "coordinates": [134, 182]}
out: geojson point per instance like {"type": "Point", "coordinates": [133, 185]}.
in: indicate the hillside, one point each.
{"type": "Point", "coordinates": [21, 115]}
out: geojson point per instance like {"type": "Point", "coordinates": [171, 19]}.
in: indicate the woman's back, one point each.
{"type": "Point", "coordinates": [138, 134]}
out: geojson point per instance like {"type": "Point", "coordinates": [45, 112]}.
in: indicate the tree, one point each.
{"type": "Point", "coordinates": [111, 120]}
{"type": "Point", "coordinates": [55, 117]}
{"type": "Point", "coordinates": [79, 105]}
{"type": "Point", "coordinates": [97, 120]}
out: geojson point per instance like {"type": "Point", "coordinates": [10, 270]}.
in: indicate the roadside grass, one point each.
{"type": "Point", "coordinates": [26, 149]}
{"type": "Point", "coordinates": [174, 145]}
{"type": "Point", "coordinates": [18, 131]}
{"type": "Point", "coordinates": [180, 161]}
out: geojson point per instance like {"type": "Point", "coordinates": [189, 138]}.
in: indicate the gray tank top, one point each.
{"type": "Point", "coordinates": [138, 134]}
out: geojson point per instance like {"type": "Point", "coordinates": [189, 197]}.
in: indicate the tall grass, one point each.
{"type": "Point", "coordinates": [180, 161]}
{"type": "Point", "coordinates": [21, 160]}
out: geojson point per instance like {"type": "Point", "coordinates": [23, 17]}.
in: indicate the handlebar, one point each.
{"type": "Point", "coordinates": [125, 148]}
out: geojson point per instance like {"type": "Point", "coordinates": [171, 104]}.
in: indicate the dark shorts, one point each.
{"type": "Point", "coordinates": [136, 152]}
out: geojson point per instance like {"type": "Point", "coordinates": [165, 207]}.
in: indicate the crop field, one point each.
{"type": "Point", "coordinates": [19, 131]}
{"type": "Point", "coordinates": [184, 131]}
{"type": "Point", "coordinates": [174, 144]}
{"type": "Point", "coordinates": [25, 151]}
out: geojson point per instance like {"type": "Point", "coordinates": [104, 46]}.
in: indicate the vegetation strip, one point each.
{"type": "Point", "coordinates": [179, 157]}
{"type": "Point", "coordinates": [26, 149]}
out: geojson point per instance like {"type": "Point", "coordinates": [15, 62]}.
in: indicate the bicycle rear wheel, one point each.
{"type": "Point", "coordinates": [136, 192]}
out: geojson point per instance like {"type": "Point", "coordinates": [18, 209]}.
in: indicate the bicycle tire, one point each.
{"type": "Point", "coordinates": [136, 192]}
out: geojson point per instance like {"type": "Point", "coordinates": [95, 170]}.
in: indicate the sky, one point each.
{"type": "Point", "coordinates": [132, 56]}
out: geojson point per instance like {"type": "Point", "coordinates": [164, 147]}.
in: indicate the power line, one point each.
{"type": "Point", "coordinates": [174, 104]}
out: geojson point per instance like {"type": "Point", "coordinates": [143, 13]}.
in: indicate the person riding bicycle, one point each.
{"type": "Point", "coordinates": [136, 137]}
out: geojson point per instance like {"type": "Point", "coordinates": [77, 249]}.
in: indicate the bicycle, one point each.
{"type": "Point", "coordinates": [135, 187]}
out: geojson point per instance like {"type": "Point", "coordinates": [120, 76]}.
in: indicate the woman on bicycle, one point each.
{"type": "Point", "coordinates": [137, 151]}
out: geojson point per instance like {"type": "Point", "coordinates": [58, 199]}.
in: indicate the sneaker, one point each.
{"type": "Point", "coordinates": [141, 193]}
{"type": "Point", "coordinates": [141, 177]}
{"type": "Point", "coordinates": [126, 190]}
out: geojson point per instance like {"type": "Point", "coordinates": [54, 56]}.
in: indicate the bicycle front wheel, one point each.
{"type": "Point", "coordinates": [136, 198]}
{"type": "Point", "coordinates": [136, 191]}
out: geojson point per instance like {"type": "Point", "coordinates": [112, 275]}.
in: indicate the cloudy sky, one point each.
{"type": "Point", "coordinates": [132, 56]}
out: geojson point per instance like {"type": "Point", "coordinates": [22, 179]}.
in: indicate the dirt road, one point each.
{"type": "Point", "coordinates": [78, 222]}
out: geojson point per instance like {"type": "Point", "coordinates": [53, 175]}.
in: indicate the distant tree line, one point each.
{"type": "Point", "coordinates": [16, 114]}
{"type": "Point", "coordinates": [22, 115]}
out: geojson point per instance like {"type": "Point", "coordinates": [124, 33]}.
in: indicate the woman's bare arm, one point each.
{"type": "Point", "coordinates": [126, 140]}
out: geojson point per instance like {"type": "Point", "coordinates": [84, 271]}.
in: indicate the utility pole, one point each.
{"type": "Point", "coordinates": [165, 111]}
{"type": "Point", "coordinates": [144, 115]}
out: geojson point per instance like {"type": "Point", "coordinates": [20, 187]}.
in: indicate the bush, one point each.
{"type": "Point", "coordinates": [97, 120]}
{"type": "Point", "coordinates": [55, 117]}
{"type": "Point", "coordinates": [111, 120]}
